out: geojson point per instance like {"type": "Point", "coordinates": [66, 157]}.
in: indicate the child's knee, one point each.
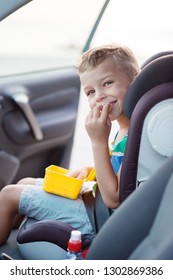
{"type": "Point", "coordinates": [27, 181]}
{"type": "Point", "coordinates": [7, 192]}
{"type": "Point", "coordinates": [10, 195]}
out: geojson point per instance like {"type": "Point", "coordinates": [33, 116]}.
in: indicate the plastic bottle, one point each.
{"type": "Point", "coordinates": [74, 246]}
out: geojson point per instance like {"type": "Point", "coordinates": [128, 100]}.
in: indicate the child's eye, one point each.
{"type": "Point", "coordinates": [108, 83]}
{"type": "Point", "coordinates": [88, 93]}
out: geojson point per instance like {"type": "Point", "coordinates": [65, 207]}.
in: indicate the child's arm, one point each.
{"type": "Point", "coordinates": [107, 180]}
{"type": "Point", "coordinates": [98, 126]}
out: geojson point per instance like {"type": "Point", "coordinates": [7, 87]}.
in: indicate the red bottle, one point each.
{"type": "Point", "coordinates": [74, 246]}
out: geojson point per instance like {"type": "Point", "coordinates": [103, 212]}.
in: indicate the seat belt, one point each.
{"type": "Point", "coordinates": [97, 211]}
{"type": "Point", "coordinates": [88, 200]}
{"type": "Point", "coordinates": [101, 211]}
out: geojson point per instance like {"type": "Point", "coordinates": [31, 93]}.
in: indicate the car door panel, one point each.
{"type": "Point", "coordinates": [53, 99]}
{"type": "Point", "coordinates": [49, 111]}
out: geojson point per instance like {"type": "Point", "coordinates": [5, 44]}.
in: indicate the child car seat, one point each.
{"type": "Point", "coordinates": [149, 106]}
{"type": "Point", "coordinates": [152, 88]}
{"type": "Point", "coordinates": [48, 239]}
{"type": "Point", "coordinates": [141, 228]}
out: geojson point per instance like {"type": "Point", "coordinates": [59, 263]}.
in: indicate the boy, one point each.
{"type": "Point", "coordinates": [105, 73]}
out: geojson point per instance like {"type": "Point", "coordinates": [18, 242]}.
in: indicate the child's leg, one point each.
{"type": "Point", "coordinates": [17, 221]}
{"type": "Point", "coordinates": [9, 201]}
{"type": "Point", "coordinates": [27, 181]}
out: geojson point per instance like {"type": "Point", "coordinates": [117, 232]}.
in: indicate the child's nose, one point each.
{"type": "Point", "coordinates": [100, 96]}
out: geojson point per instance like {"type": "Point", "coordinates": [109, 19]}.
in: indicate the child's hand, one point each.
{"type": "Point", "coordinates": [98, 124]}
{"type": "Point", "coordinates": [81, 173]}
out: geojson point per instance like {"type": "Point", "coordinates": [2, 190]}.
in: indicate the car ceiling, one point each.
{"type": "Point", "coordinates": [7, 7]}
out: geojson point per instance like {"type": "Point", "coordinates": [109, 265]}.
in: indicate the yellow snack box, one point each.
{"type": "Point", "coordinates": [57, 181]}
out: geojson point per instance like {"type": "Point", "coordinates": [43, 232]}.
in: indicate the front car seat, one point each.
{"type": "Point", "coordinates": [141, 228]}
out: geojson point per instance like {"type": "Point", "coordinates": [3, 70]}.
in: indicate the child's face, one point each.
{"type": "Point", "coordinates": [106, 84]}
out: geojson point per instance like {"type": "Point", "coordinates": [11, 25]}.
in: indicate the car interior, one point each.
{"type": "Point", "coordinates": [149, 146]}
{"type": "Point", "coordinates": [38, 114]}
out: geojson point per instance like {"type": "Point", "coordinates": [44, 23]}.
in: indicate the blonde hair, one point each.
{"type": "Point", "coordinates": [124, 59]}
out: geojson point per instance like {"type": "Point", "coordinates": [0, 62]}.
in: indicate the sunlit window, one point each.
{"type": "Point", "coordinates": [46, 34]}
{"type": "Point", "coordinates": [145, 26]}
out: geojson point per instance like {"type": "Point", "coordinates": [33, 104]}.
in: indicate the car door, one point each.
{"type": "Point", "coordinates": [39, 86]}
{"type": "Point", "coordinates": [37, 119]}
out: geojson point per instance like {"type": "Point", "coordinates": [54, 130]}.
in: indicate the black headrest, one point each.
{"type": "Point", "coordinates": [155, 56]}
{"type": "Point", "coordinates": [156, 72]}
{"type": "Point", "coordinates": [130, 161]}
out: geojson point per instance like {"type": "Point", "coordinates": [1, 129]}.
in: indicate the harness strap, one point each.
{"type": "Point", "coordinates": [101, 211]}
{"type": "Point", "coordinates": [88, 200]}
{"type": "Point", "coordinates": [97, 211]}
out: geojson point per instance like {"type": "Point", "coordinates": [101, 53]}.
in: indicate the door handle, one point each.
{"type": "Point", "coordinates": [20, 97]}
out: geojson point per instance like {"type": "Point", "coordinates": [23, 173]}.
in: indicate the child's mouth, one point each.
{"type": "Point", "coordinates": [111, 104]}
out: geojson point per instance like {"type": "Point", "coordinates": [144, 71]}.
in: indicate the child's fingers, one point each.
{"type": "Point", "coordinates": [106, 110]}
{"type": "Point", "coordinates": [79, 174]}
{"type": "Point", "coordinates": [73, 174]}
{"type": "Point", "coordinates": [97, 111]}
{"type": "Point", "coordinates": [82, 175]}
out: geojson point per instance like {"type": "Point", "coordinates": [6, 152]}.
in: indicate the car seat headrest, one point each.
{"type": "Point", "coordinates": [156, 72]}
{"type": "Point", "coordinates": [155, 56]}
{"type": "Point", "coordinates": [130, 162]}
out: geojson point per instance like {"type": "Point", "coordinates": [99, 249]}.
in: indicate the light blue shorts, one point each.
{"type": "Point", "coordinates": [40, 205]}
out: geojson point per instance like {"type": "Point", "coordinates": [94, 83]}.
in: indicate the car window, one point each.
{"type": "Point", "coordinates": [145, 26]}
{"type": "Point", "coordinates": [45, 34]}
